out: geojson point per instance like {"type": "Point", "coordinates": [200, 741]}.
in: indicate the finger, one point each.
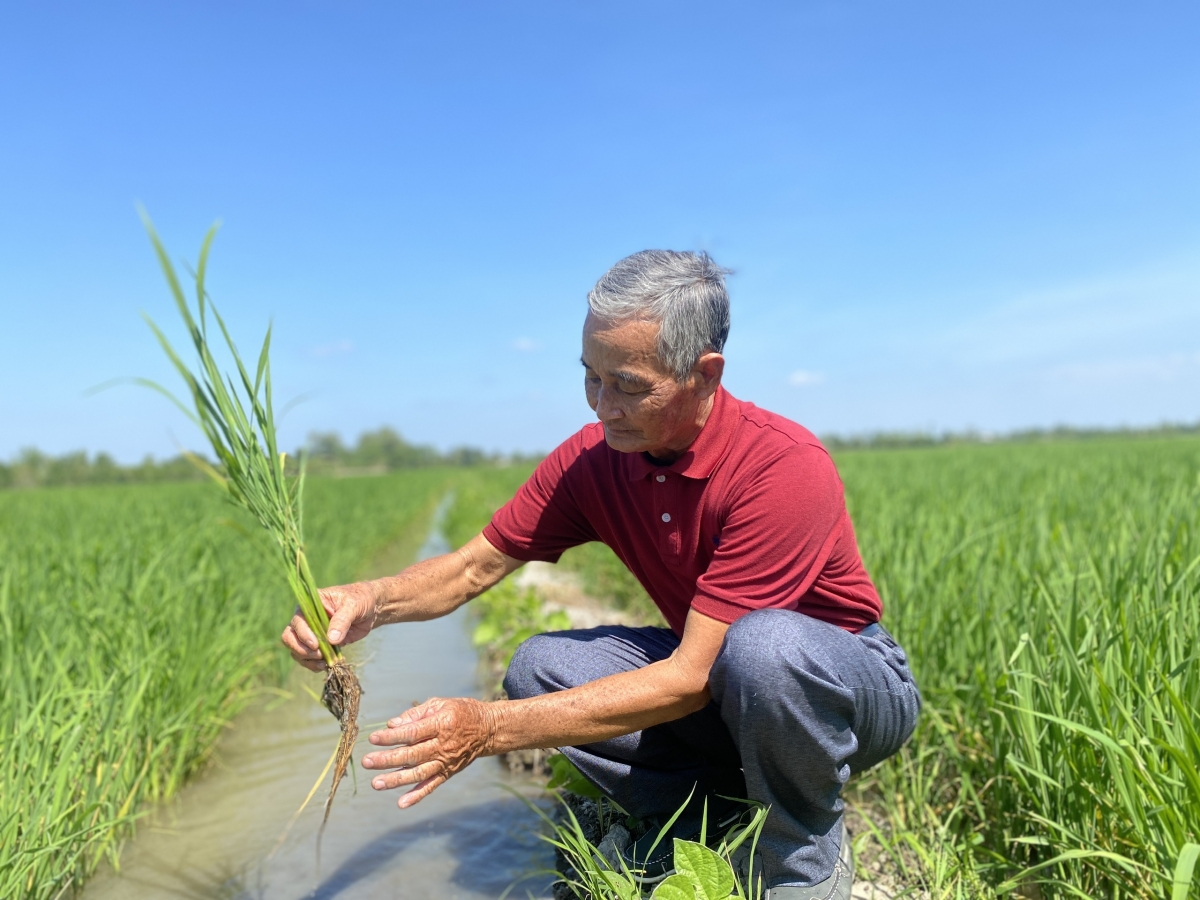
{"type": "Point", "coordinates": [407, 718]}
{"type": "Point", "coordinates": [301, 654]}
{"type": "Point", "coordinates": [310, 659]}
{"type": "Point", "coordinates": [340, 622]}
{"type": "Point", "coordinates": [385, 781]}
{"type": "Point", "coordinates": [406, 734]}
{"type": "Point", "coordinates": [417, 713]}
{"type": "Point", "coordinates": [303, 632]}
{"type": "Point", "coordinates": [394, 759]}
{"type": "Point", "coordinates": [292, 641]}
{"type": "Point", "coordinates": [421, 791]}
{"type": "Point", "coordinates": [288, 639]}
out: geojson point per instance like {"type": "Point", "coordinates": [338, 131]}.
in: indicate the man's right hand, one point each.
{"type": "Point", "coordinates": [352, 611]}
{"type": "Point", "coordinates": [423, 591]}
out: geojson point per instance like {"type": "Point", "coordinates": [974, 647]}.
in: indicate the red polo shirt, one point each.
{"type": "Point", "coordinates": [752, 516]}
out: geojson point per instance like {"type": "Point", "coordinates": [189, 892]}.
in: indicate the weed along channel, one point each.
{"type": "Point", "coordinates": [228, 836]}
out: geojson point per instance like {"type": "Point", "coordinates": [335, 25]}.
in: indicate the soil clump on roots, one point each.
{"type": "Point", "coordinates": [341, 695]}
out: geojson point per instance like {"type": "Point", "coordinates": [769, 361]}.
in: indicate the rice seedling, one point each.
{"type": "Point", "coordinates": [238, 419]}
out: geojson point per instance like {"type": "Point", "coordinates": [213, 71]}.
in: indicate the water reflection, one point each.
{"type": "Point", "coordinates": [481, 840]}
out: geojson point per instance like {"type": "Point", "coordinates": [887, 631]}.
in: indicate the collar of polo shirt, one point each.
{"type": "Point", "coordinates": [702, 457]}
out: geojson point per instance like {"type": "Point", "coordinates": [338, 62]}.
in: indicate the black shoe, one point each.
{"type": "Point", "coordinates": [838, 886]}
{"type": "Point", "coordinates": [649, 862]}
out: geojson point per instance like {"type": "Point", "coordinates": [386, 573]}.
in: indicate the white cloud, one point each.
{"type": "Point", "coordinates": [337, 348]}
{"type": "Point", "coordinates": [526, 345]}
{"type": "Point", "coordinates": [801, 378]}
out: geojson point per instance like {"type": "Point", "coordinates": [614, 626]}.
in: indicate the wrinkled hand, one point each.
{"type": "Point", "coordinates": [436, 740]}
{"type": "Point", "coordinates": [352, 610]}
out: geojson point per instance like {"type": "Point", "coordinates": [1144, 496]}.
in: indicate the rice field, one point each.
{"type": "Point", "coordinates": [1048, 595]}
{"type": "Point", "coordinates": [1049, 599]}
{"type": "Point", "coordinates": [136, 622]}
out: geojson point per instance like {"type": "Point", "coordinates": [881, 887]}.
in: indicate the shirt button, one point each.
{"type": "Point", "coordinates": [666, 517]}
{"type": "Point", "coordinates": [660, 478]}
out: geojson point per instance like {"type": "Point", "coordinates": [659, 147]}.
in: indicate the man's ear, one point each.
{"type": "Point", "coordinates": [708, 371]}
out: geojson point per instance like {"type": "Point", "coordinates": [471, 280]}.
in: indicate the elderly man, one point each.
{"type": "Point", "coordinates": [775, 680]}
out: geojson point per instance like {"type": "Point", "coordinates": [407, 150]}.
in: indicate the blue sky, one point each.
{"type": "Point", "coordinates": [941, 215]}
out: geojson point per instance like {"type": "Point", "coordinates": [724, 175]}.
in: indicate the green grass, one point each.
{"type": "Point", "coordinates": [135, 622]}
{"type": "Point", "coordinates": [505, 615]}
{"type": "Point", "coordinates": [601, 574]}
{"type": "Point", "coordinates": [478, 493]}
{"type": "Point", "coordinates": [1049, 599]}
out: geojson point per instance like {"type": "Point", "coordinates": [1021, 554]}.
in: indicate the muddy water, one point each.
{"type": "Point", "coordinates": [224, 835]}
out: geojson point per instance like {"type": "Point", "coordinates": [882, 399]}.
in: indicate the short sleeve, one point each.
{"type": "Point", "coordinates": [777, 535]}
{"type": "Point", "coordinates": [544, 517]}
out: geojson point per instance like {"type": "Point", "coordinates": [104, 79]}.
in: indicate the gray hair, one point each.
{"type": "Point", "coordinates": [683, 292]}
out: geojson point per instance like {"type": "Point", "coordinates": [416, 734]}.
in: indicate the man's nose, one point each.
{"type": "Point", "coordinates": [606, 408]}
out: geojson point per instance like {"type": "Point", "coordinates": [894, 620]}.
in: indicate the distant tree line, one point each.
{"type": "Point", "coordinates": [384, 450]}
{"type": "Point", "coordinates": [375, 453]}
{"type": "Point", "coordinates": [32, 468]}
{"type": "Point", "coordinates": [884, 440]}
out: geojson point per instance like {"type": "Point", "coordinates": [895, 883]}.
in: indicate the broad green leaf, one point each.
{"type": "Point", "coordinates": [563, 774]}
{"type": "Point", "coordinates": [676, 887]}
{"type": "Point", "coordinates": [710, 875]}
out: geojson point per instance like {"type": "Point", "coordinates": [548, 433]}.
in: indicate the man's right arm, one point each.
{"type": "Point", "coordinates": [425, 590]}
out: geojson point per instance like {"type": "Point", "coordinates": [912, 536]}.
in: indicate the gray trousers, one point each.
{"type": "Point", "coordinates": [797, 706]}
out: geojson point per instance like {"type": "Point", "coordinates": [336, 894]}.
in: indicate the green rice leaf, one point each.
{"type": "Point", "coordinates": [236, 416]}
{"type": "Point", "coordinates": [1185, 869]}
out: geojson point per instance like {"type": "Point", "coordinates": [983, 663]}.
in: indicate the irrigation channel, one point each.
{"type": "Point", "coordinates": [221, 837]}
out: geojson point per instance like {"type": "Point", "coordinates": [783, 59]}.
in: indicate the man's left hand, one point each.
{"type": "Point", "coordinates": [435, 740]}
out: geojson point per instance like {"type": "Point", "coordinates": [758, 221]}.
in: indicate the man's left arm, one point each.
{"type": "Point", "coordinates": [439, 738]}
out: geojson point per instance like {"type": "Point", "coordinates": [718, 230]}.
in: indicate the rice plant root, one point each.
{"type": "Point", "coordinates": [341, 696]}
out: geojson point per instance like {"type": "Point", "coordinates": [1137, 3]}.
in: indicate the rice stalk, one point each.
{"type": "Point", "coordinates": [238, 418]}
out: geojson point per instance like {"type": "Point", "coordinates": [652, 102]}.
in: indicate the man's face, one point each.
{"type": "Point", "coordinates": [642, 406]}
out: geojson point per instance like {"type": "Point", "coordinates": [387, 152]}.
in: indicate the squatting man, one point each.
{"type": "Point", "coordinates": [775, 680]}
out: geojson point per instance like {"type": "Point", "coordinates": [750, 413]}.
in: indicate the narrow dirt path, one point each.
{"type": "Point", "coordinates": [560, 590]}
